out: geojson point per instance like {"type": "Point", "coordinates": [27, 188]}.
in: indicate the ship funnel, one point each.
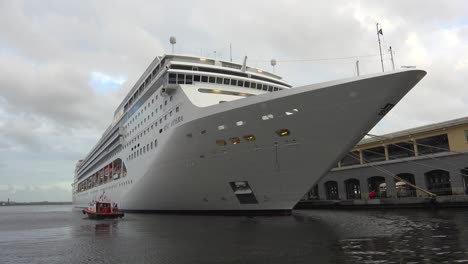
{"type": "Point", "coordinates": [244, 64]}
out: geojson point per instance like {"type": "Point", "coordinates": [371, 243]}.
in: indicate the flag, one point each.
{"type": "Point", "coordinates": [380, 32]}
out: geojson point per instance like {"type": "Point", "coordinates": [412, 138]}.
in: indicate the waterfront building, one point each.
{"type": "Point", "coordinates": [433, 157]}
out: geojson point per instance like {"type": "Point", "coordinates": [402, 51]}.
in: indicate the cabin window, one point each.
{"type": "Point", "coordinates": [247, 84]}
{"type": "Point", "coordinates": [212, 79]}
{"type": "Point", "coordinates": [270, 88]}
{"type": "Point", "coordinates": [240, 83]}
{"type": "Point", "coordinates": [234, 82]}
{"type": "Point", "coordinates": [253, 85]}
{"type": "Point", "coordinates": [204, 78]}
{"type": "Point", "coordinates": [155, 143]}
{"type": "Point", "coordinates": [227, 81]}
{"type": "Point", "coordinates": [466, 135]}
{"type": "Point", "coordinates": [275, 89]}
{"type": "Point", "coordinates": [180, 78]}
{"type": "Point", "coordinates": [172, 78]}
{"type": "Point", "coordinates": [196, 78]}
{"type": "Point", "coordinates": [188, 79]}
{"type": "Point", "coordinates": [219, 80]}
{"type": "Point", "coordinates": [177, 109]}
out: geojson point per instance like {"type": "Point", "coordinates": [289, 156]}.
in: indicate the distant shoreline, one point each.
{"type": "Point", "coordinates": [2, 203]}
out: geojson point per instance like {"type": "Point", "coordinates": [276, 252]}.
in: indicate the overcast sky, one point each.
{"type": "Point", "coordinates": [66, 65]}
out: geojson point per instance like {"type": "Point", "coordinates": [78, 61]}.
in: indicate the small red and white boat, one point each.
{"type": "Point", "coordinates": [103, 210]}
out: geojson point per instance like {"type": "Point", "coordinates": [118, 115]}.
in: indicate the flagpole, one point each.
{"type": "Point", "coordinates": [380, 48]}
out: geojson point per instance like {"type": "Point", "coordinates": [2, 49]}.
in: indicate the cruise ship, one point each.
{"type": "Point", "coordinates": [198, 134]}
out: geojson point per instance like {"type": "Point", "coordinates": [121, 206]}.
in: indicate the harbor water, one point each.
{"type": "Point", "coordinates": [59, 234]}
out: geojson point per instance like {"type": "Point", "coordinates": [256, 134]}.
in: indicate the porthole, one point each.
{"type": "Point", "coordinates": [283, 132]}
{"type": "Point", "coordinates": [221, 142]}
{"type": "Point", "coordinates": [234, 140]}
{"type": "Point", "coordinates": [249, 137]}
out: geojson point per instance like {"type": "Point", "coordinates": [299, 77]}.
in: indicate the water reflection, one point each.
{"type": "Point", "coordinates": [420, 237]}
{"type": "Point", "coordinates": [306, 237]}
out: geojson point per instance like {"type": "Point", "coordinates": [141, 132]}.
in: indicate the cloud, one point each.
{"type": "Point", "coordinates": [102, 82]}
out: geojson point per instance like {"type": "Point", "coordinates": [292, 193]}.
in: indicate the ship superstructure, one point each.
{"type": "Point", "coordinates": [200, 134]}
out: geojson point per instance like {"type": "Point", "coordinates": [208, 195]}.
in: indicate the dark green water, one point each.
{"type": "Point", "coordinates": [57, 234]}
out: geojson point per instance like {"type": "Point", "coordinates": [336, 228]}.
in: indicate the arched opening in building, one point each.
{"type": "Point", "coordinates": [438, 182]}
{"type": "Point", "coordinates": [312, 194]}
{"type": "Point", "coordinates": [402, 188]}
{"type": "Point", "coordinates": [353, 189]}
{"type": "Point", "coordinates": [378, 185]}
{"type": "Point", "coordinates": [464, 174]}
{"type": "Point", "coordinates": [331, 190]}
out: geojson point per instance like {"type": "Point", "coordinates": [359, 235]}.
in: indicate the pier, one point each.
{"type": "Point", "coordinates": [420, 167]}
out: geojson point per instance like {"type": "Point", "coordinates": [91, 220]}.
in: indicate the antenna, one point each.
{"type": "Point", "coordinates": [230, 51]}
{"type": "Point", "coordinates": [244, 65]}
{"type": "Point", "coordinates": [173, 41]}
{"type": "Point", "coordinates": [273, 64]}
{"type": "Point", "coordinates": [357, 67]}
{"type": "Point", "coordinates": [391, 57]}
{"type": "Point", "coordinates": [379, 32]}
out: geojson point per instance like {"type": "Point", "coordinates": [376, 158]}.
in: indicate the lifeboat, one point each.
{"type": "Point", "coordinates": [103, 210]}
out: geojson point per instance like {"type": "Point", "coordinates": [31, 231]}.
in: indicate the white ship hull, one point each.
{"type": "Point", "coordinates": [193, 173]}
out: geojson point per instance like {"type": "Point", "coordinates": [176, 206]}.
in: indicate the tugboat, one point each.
{"type": "Point", "coordinates": [103, 210]}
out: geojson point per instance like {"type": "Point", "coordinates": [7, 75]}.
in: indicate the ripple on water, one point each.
{"type": "Point", "coordinates": [322, 236]}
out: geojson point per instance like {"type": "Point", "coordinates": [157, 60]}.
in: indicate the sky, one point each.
{"type": "Point", "coordinates": [66, 65]}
